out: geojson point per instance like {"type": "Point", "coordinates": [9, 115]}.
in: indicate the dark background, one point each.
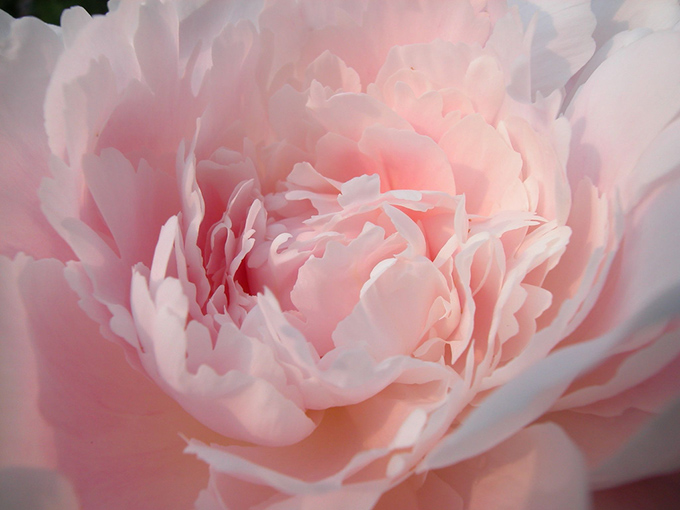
{"type": "Point", "coordinates": [49, 10]}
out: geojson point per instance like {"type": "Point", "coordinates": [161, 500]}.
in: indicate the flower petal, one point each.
{"type": "Point", "coordinates": [562, 41]}
{"type": "Point", "coordinates": [606, 145]}
{"type": "Point", "coordinates": [29, 52]}
{"type": "Point", "coordinates": [25, 437]}
{"type": "Point", "coordinates": [537, 468]}
{"type": "Point", "coordinates": [615, 17]}
{"type": "Point", "coordinates": [116, 433]}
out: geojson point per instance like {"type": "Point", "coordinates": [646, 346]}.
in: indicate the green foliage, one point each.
{"type": "Point", "coordinates": [49, 10]}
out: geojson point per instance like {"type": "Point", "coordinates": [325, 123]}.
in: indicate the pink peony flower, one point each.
{"type": "Point", "coordinates": [342, 254]}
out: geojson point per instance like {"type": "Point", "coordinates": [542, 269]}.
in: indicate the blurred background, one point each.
{"type": "Point", "coordinates": [49, 10]}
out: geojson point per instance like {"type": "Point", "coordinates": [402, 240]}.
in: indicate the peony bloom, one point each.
{"type": "Point", "coordinates": [341, 254]}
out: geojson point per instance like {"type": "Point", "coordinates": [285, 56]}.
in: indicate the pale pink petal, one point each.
{"type": "Point", "coordinates": [424, 67]}
{"type": "Point", "coordinates": [615, 17]}
{"type": "Point", "coordinates": [629, 370]}
{"type": "Point", "coordinates": [599, 437]}
{"type": "Point", "coordinates": [360, 496]}
{"type": "Point", "coordinates": [103, 36]}
{"type": "Point", "coordinates": [30, 50]}
{"type": "Point", "coordinates": [226, 492]}
{"type": "Point", "coordinates": [484, 165]}
{"type": "Point", "coordinates": [325, 295]}
{"type": "Point", "coordinates": [362, 33]}
{"type": "Point", "coordinates": [402, 156]}
{"type": "Point", "coordinates": [203, 22]}
{"type": "Point", "coordinates": [116, 434]}
{"type": "Point", "coordinates": [218, 399]}
{"type": "Point", "coordinates": [149, 195]}
{"type": "Point", "coordinates": [120, 84]}
{"type": "Point", "coordinates": [231, 119]}
{"type": "Point", "coordinates": [537, 468]}
{"type": "Point", "coordinates": [331, 71]}
{"type": "Point", "coordinates": [584, 265]}
{"type": "Point", "coordinates": [534, 391]}
{"type": "Point", "coordinates": [25, 437]}
{"type": "Point", "coordinates": [649, 393]}
{"type": "Point", "coordinates": [606, 146]}
{"type": "Point", "coordinates": [646, 265]}
{"type": "Point", "coordinates": [510, 42]}
{"type": "Point", "coordinates": [561, 42]}
{"type": "Point", "coordinates": [344, 376]}
{"type": "Point", "coordinates": [349, 450]}
{"type": "Point", "coordinates": [350, 115]}
{"type": "Point", "coordinates": [156, 45]}
{"type": "Point", "coordinates": [543, 173]}
{"type": "Point", "coordinates": [605, 51]}
{"type": "Point", "coordinates": [485, 85]}
{"type": "Point", "coordinates": [655, 450]}
{"type": "Point", "coordinates": [657, 165]}
{"type": "Point", "coordinates": [340, 159]}
{"type": "Point", "coordinates": [394, 309]}
{"type": "Point", "coordinates": [72, 21]}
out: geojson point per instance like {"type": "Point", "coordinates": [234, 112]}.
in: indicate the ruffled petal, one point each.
{"type": "Point", "coordinates": [524, 399]}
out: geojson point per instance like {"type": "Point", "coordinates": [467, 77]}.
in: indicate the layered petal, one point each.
{"type": "Point", "coordinates": [384, 255]}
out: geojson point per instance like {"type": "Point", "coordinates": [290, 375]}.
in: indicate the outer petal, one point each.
{"type": "Point", "coordinates": [608, 140]}
{"type": "Point", "coordinates": [655, 450]}
{"type": "Point", "coordinates": [116, 435]}
{"type": "Point", "coordinates": [357, 451]}
{"type": "Point", "coordinates": [537, 468]}
{"type": "Point", "coordinates": [29, 50]}
{"type": "Point", "coordinates": [646, 265]}
{"type": "Point", "coordinates": [25, 438]}
{"type": "Point", "coordinates": [615, 17]}
{"type": "Point", "coordinates": [561, 42]}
